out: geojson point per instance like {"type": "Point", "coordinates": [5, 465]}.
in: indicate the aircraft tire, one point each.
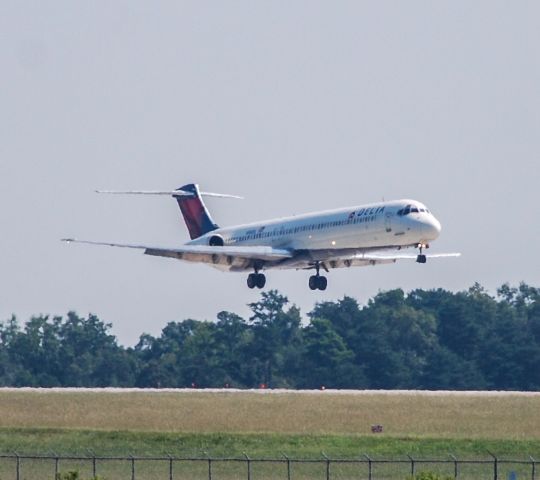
{"type": "Point", "coordinates": [322, 283]}
{"type": "Point", "coordinates": [260, 280]}
{"type": "Point", "coordinates": [313, 282]}
{"type": "Point", "coordinates": [421, 258]}
{"type": "Point", "coordinates": [251, 280]}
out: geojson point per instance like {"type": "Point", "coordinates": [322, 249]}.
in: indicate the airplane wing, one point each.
{"type": "Point", "coordinates": [228, 258]}
{"type": "Point", "coordinates": [366, 259]}
{"type": "Point", "coordinates": [244, 258]}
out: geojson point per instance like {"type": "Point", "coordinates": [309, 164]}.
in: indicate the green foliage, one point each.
{"type": "Point", "coordinates": [73, 441]}
{"type": "Point", "coordinates": [433, 339]}
{"type": "Point", "coordinates": [73, 475]}
{"type": "Point", "coordinates": [70, 475]}
{"type": "Point", "coordinates": [429, 476]}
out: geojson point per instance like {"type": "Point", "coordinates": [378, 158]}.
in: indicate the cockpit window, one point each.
{"type": "Point", "coordinates": [411, 209]}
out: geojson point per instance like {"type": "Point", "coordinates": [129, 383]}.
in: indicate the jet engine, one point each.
{"type": "Point", "coordinates": [216, 241]}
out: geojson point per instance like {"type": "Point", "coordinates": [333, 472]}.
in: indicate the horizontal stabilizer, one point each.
{"type": "Point", "coordinates": [173, 193]}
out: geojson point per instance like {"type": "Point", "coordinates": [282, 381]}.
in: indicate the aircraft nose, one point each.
{"type": "Point", "coordinates": [432, 228]}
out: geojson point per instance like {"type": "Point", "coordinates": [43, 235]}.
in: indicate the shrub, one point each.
{"type": "Point", "coordinates": [70, 475]}
{"type": "Point", "coordinates": [428, 476]}
{"type": "Point", "coordinates": [73, 475]}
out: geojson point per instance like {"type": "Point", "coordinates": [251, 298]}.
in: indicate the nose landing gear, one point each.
{"type": "Point", "coordinates": [421, 258]}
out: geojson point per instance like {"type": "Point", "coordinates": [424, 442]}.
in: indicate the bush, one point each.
{"type": "Point", "coordinates": [73, 475]}
{"type": "Point", "coordinates": [429, 476]}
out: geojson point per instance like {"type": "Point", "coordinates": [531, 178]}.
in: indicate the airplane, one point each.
{"type": "Point", "coordinates": [344, 237]}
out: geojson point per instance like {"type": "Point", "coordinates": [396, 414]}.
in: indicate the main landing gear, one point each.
{"type": "Point", "coordinates": [256, 280]}
{"type": "Point", "coordinates": [421, 258]}
{"type": "Point", "coordinates": [317, 282]}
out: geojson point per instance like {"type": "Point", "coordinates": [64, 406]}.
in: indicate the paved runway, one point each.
{"type": "Point", "coordinates": [277, 391]}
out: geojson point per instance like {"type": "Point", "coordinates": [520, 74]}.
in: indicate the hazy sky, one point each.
{"type": "Point", "coordinates": [297, 106]}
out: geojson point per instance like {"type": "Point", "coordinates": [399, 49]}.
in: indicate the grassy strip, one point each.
{"type": "Point", "coordinates": [406, 415]}
{"type": "Point", "coordinates": [31, 440]}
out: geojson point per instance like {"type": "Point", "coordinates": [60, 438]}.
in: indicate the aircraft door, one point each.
{"type": "Point", "coordinates": [388, 221]}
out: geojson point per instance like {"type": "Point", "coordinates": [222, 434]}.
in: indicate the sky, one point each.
{"type": "Point", "coordinates": [295, 105]}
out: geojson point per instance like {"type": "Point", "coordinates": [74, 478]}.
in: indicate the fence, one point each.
{"type": "Point", "coordinates": [27, 467]}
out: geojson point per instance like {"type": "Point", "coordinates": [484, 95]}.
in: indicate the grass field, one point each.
{"type": "Point", "coordinates": [267, 424]}
{"type": "Point", "coordinates": [466, 416]}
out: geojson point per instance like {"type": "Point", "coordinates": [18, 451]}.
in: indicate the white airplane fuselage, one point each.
{"type": "Point", "coordinates": [364, 228]}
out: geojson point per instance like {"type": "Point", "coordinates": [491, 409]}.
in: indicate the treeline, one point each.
{"type": "Point", "coordinates": [430, 339]}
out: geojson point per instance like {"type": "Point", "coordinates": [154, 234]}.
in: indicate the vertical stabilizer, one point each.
{"type": "Point", "coordinates": [196, 216]}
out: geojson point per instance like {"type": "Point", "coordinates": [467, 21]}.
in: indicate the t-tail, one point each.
{"type": "Point", "coordinates": [189, 198]}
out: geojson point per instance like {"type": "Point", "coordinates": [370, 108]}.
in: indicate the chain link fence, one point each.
{"type": "Point", "coordinates": [52, 466]}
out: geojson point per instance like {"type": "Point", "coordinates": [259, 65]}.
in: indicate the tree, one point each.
{"type": "Point", "coordinates": [327, 360]}
{"type": "Point", "coordinates": [274, 330]}
{"type": "Point", "coordinates": [426, 339]}
{"type": "Point", "coordinates": [393, 341]}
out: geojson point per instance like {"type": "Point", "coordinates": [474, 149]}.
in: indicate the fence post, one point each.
{"type": "Point", "coordinates": [248, 465]}
{"type": "Point", "coordinates": [533, 472]}
{"type": "Point", "coordinates": [412, 465]}
{"type": "Point", "coordinates": [495, 466]}
{"type": "Point", "coordinates": [327, 466]}
{"type": "Point", "coordinates": [54, 456]}
{"type": "Point", "coordinates": [56, 465]}
{"type": "Point", "coordinates": [18, 465]}
{"type": "Point", "coordinates": [209, 466]}
{"type": "Point", "coordinates": [370, 469]}
{"type": "Point", "coordinates": [92, 455]}
{"type": "Point", "coordinates": [170, 466]}
{"type": "Point", "coordinates": [288, 466]}
{"type": "Point", "coordinates": [132, 467]}
{"type": "Point", "coordinates": [455, 466]}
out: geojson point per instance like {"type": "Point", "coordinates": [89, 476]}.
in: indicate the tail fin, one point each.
{"type": "Point", "coordinates": [196, 216]}
{"type": "Point", "coordinates": [189, 199]}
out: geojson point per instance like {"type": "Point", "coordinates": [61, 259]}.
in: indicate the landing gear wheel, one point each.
{"type": "Point", "coordinates": [421, 258]}
{"type": "Point", "coordinates": [260, 280]}
{"type": "Point", "coordinates": [317, 282]}
{"type": "Point", "coordinates": [256, 280]}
